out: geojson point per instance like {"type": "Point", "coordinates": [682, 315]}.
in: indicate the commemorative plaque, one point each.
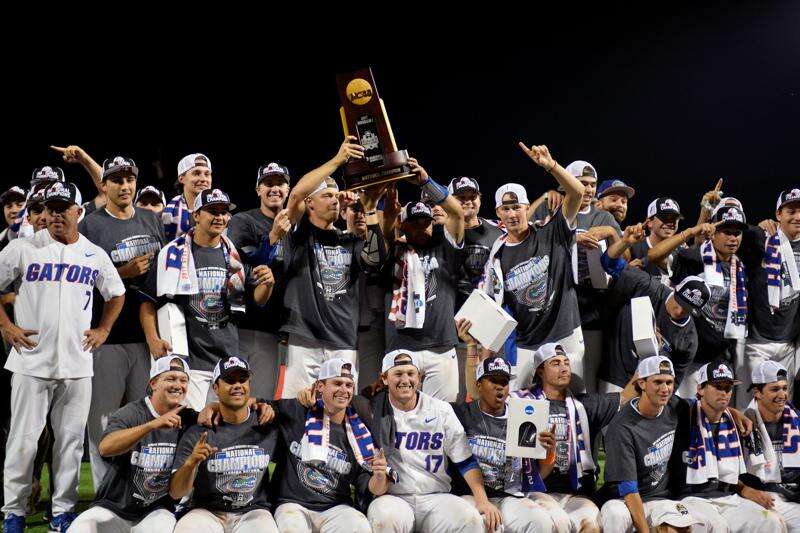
{"type": "Point", "coordinates": [364, 116]}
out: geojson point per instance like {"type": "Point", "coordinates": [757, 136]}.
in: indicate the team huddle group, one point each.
{"type": "Point", "coordinates": [297, 366]}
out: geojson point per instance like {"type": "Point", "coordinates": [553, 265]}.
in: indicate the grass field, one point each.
{"type": "Point", "coordinates": [37, 524]}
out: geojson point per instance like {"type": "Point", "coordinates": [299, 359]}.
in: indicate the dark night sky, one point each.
{"type": "Point", "coordinates": [667, 102]}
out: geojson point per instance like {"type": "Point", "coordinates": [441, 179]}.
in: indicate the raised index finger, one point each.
{"type": "Point", "coordinates": [719, 185]}
{"type": "Point", "coordinates": [178, 409]}
{"type": "Point", "coordinates": [203, 437]}
{"type": "Point", "coordinates": [58, 149]}
{"type": "Point", "coordinates": [524, 148]}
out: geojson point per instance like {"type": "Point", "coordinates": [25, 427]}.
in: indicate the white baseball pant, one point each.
{"type": "Point", "coordinates": [521, 515]}
{"type": "Point", "coordinates": [575, 348]}
{"type": "Point", "coordinates": [294, 518]}
{"type": "Point", "coordinates": [262, 353]}
{"type": "Point", "coordinates": [427, 513]}
{"type": "Point", "coordinates": [754, 352]}
{"type": "Point", "coordinates": [67, 400]}
{"type": "Point", "coordinates": [569, 512]}
{"type": "Point", "coordinates": [303, 360]}
{"type": "Point", "coordinates": [204, 521]}
{"type": "Point", "coordinates": [790, 512]}
{"type": "Point", "coordinates": [616, 518]}
{"type": "Point", "coordinates": [121, 372]}
{"type": "Point", "coordinates": [101, 520]}
{"type": "Point", "coordinates": [734, 514]}
{"type": "Point", "coordinates": [200, 392]}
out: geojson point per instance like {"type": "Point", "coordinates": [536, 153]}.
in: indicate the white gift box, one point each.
{"type": "Point", "coordinates": [526, 419]}
{"type": "Point", "coordinates": [643, 320]}
{"type": "Point", "coordinates": [172, 328]}
{"type": "Point", "coordinates": [491, 325]}
{"type": "Point", "coordinates": [597, 274]}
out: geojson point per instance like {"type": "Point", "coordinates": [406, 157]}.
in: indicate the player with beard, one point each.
{"type": "Point", "coordinates": [252, 233]}
{"type": "Point", "coordinates": [613, 196]}
{"type": "Point", "coordinates": [663, 218]}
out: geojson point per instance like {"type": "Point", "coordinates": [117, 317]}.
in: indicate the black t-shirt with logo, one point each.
{"type": "Point", "coordinates": [137, 482]}
{"type": "Point", "coordinates": [478, 243]}
{"type": "Point", "coordinates": [322, 296]}
{"type": "Point", "coordinates": [123, 240]}
{"type": "Point", "coordinates": [441, 261]}
{"type": "Point", "coordinates": [782, 324]}
{"type": "Point", "coordinates": [710, 321]}
{"type": "Point", "coordinates": [317, 488]}
{"type": "Point", "coordinates": [639, 251]}
{"type": "Point", "coordinates": [539, 289]}
{"type": "Point", "coordinates": [247, 230]}
{"type": "Point", "coordinates": [235, 478]}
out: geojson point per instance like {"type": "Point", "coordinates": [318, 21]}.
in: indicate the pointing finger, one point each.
{"type": "Point", "coordinates": [719, 185]}
{"type": "Point", "coordinates": [58, 149]}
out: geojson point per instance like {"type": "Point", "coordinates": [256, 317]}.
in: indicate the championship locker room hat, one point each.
{"type": "Point", "coordinates": [517, 195]}
{"type": "Point", "coordinates": [675, 514]}
{"type": "Point", "coordinates": [337, 368]}
{"type": "Point", "coordinates": [768, 372]}
{"type": "Point", "coordinates": [662, 207]}
{"type": "Point", "coordinates": [229, 365]}
{"type": "Point", "coordinates": [716, 371]}
{"type": "Point", "coordinates": [463, 184]}
{"type": "Point", "coordinates": [44, 174]}
{"type": "Point", "coordinates": [193, 160]}
{"type": "Point", "coordinates": [36, 198]}
{"type": "Point", "coordinates": [615, 187]}
{"type": "Point", "coordinates": [272, 169]}
{"type": "Point", "coordinates": [692, 293]}
{"type": "Point", "coordinates": [398, 358]}
{"type": "Point", "coordinates": [652, 366]}
{"type": "Point", "coordinates": [213, 197]}
{"type": "Point", "coordinates": [415, 210]}
{"type": "Point", "coordinates": [119, 165]}
{"type": "Point", "coordinates": [168, 363]}
{"type": "Point", "coordinates": [547, 351]}
{"type": "Point", "coordinates": [731, 216]}
{"type": "Point", "coordinates": [493, 366]}
{"type": "Point", "coordinates": [63, 192]}
{"type": "Point", "coordinates": [152, 193]}
{"type": "Point", "coordinates": [788, 197]}
{"type": "Point", "coordinates": [13, 194]}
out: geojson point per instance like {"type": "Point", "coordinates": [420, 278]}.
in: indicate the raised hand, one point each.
{"type": "Point", "coordinates": [633, 234]}
{"type": "Point", "coordinates": [548, 439]}
{"type": "Point", "coordinates": [349, 149]}
{"type": "Point", "coordinates": [169, 420]}
{"type": "Point", "coordinates": [71, 153]}
{"type": "Point", "coordinates": [280, 226]}
{"type": "Point", "coordinates": [713, 196]}
{"type": "Point", "coordinates": [539, 155]}
{"type": "Point", "coordinates": [202, 451]}
{"type": "Point", "coordinates": [420, 173]}
{"type": "Point", "coordinates": [265, 413]}
{"type": "Point", "coordinates": [263, 275]}
{"type": "Point", "coordinates": [463, 325]}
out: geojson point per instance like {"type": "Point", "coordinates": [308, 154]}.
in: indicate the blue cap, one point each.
{"type": "Point", "coordinates": [615, 186]}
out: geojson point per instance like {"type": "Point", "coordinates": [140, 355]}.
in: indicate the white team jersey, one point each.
{"type": "Point", "coordinates": [55, 299]}
{"type": "Point", "coordinates": [426, 437]}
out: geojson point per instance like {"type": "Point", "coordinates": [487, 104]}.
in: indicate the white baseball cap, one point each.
{"type": "Point", "coordinates": [673, 513]}
{"type": "Point", "coordinates": [768, 372]}
{"type": "Point", "coordinates": [193, 160]}
{"type": "Point", "coordinates": [511, 188]}
{"type": "Point", "coordinates": [580, 169]}
{"type": "Point", "coordinates": [332, 368]}
{"type": "Point", "coordinates": [165, 364]}
{"type": "Point", "coordinates": [327, 183]}
{"type": "Point", "coordinates": [547, 351]}
{"type": "Point", "coordinates": [390, 360]}
{"type": "Point", "coordinates": [652, 366]}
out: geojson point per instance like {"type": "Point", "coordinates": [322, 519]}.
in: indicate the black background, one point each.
{"type": "Point", "coordinates": [667, 101]}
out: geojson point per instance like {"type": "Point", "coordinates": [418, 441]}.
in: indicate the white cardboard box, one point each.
{"type": "Point", "coordinates": [597, 274]}
{"type": "Point", "coordinates": [491, 325]}
{"type": "Point", "coordinates": [644, 330]}
{"type": "Point", "coordinates": [526, 419]}
{"type": "Point", "coordinates": [172, 328]}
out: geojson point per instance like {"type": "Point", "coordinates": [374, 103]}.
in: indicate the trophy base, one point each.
{"type": "Point", "coordinates": [360, 174]}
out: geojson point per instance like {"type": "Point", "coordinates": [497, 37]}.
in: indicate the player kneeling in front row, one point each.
{"type": "Point", "coordinates": [139, 444]}
{"type": "Point", "coordinates": [227, 466]}
{"type": "Point", "coordinates": [329, 451]}
{"type": "Point", "coordinates": [418, 434]}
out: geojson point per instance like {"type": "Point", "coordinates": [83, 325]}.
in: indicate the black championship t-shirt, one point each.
{"type": "Point", "coordinates": [236, 476]}
{"type": "Point", "coordinates": [124, 240]}
{"type": "Point", "coordinates": [641, 451]}
{"type": "Point", "coordinates": [322, 290]}
{"type": "Point", "coordinates": [766, 324]}
{"type": "Point", "coordinates": [441, 261]}
{"type": "Point", "coordinates": [315, 487]}
{"type": "Point", "coordinates": [478, 243]}
{"type": "Point", "coordinates": [538, 284]}
{"type": "Point", "coordinates": [137, 482]}
{"type": "Point", "coordinates": [710, 321]}
{"type": "Point", "coordinates": [639, 251]}
{"type": "Point", "coordinates": [211, 331]}
{"type": "Point", "coordinates": [247, 230]}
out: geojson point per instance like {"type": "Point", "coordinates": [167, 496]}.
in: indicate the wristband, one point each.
{"type": "Point", "coordinates": [435, 193]}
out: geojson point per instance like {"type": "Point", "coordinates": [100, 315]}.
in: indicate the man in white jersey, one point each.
{"type": "Point", "coordinates": [419, 434]}
{"type": "Point", "coordinates": [52, 355]}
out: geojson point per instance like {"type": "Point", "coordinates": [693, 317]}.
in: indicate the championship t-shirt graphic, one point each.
{"type": "Point", "coordinates": [528, 283]}
{"type": "Point", "coordinates": [333, 263]}
{"type": "Point", "coordinates": [209, 302]}
{"type": "Point", "coordinates": [657, 458]}
{"type": "Point", "coordinates": [238, 471]}
{"type": "Point", "coordinates": [322, 478]}
{"type": "Point", "coordinates": [152, 466]}
{"type": "Point", "coordinates": [490, 452]}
